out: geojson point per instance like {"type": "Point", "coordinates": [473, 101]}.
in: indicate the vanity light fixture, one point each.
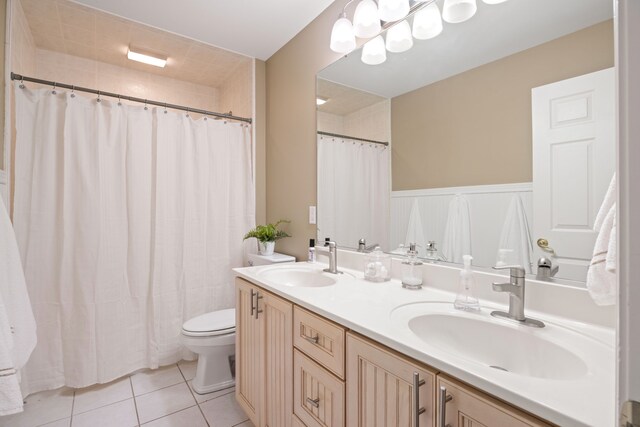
{"type": "Point", "coordinates": [457, 11]}
{"type": "Point", "coordinates": [146, 57]}
{"type": "Point", "coordinates": [393, 10]}
{"type": "Point", "coordinates": [366, 23]}
{"type": "Point", "coordinates": [427, 22]}
{"type": "Point", "coordinates": [374, 51]}
{"type": "Point", "coordinates": [343, 39]}
{"type": "Point", "coordinates": [320, 100]}
{"type": "Point", "coordinates": [399, 37]}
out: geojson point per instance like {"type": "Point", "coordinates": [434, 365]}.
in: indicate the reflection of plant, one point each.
{"type": "Point", "coordinates": [268, 233]}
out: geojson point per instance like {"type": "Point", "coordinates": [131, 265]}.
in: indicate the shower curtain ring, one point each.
{"type": "Point", "coordinates": [73, 95]}
{"type": "Point", "coordinates": [22, 86]}
{"type": "Point", "coordinates": [145, 105]}
{"type": "Point", "coordinates": [165, 108]}
{"type": "Point", "coordinates": [53, 92]}
{"type": "Point", "coordinates": [187, 111]}
{"type": "Point", "coordinates": [99, 100]}
{"type": "Point", "coordinates": [119, 101]}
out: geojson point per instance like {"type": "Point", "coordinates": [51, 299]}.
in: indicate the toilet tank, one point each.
{"type": "Point", "coordinates": [275, 258]}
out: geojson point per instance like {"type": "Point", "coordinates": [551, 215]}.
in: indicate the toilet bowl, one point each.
{"type": "Point", "coordinates": [212, 337]}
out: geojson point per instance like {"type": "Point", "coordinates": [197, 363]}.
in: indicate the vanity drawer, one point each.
{"type": "Point", "coordinates": [320, 339]}
{"type": "Point", "coordinates": [318, 396]}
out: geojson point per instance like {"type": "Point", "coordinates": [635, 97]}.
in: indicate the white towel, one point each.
{"type": "Point", "coordinates": [415, 233]}
{"type": "Point", "coordinates": [18, 332]}
{"type": "Point", "coordinates": [515, 235]}
{"type": "Point", "coordinates": [457, 232]}
{"type": "Point", "coordinates": [602, 278]}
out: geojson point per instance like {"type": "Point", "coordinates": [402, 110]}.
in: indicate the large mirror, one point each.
{"type": "Point", "coordinates": [495, 138]}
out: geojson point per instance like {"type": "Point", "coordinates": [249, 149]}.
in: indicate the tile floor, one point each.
{"type": "Point", "coordinates": [158, 398]}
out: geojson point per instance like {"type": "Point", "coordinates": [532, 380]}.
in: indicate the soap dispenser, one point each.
{"type": "Point", "coordinates": [411, 269]}
{"type": "Point", "coordinates": [465, 299]}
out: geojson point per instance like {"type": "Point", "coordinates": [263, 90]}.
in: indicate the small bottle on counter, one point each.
{"type": "Point", "coordinates": [377, 266]}
{"type": "Point", "coordinates": [465, 300]}
{"type": "Point", "coordinates": [411, 269]}
{"type": "Point", "coordinates": [312, 251]}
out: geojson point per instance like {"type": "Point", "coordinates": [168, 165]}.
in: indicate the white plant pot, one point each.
{"type": "Point", "coordinates": [266, 248]}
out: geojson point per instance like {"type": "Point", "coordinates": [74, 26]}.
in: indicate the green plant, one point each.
{"type": "Point", "coordinates": [268, 233]}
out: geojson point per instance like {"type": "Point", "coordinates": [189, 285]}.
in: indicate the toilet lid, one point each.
{"type": "Point", "coordinates": [214, 323]}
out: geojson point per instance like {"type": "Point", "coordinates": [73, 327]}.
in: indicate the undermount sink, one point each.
{"type": "Point", "coordinates": [298, 277]}
{"type": "Point", "coordinates": [548, 353]}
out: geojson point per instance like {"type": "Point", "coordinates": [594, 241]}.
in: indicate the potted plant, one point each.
{"type": "Point", "coordinates": [267, 236]}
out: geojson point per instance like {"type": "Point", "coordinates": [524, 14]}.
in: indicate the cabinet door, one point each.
{"type": "Point", "coordinates": [248, 351]}
{"type": "Point", "coordinates": [318, 395]}
{"type": "Point", "coordinates": [470, 408]}
{"type": "Point", "coordinates": [381, 387]}
{"type": "Point", "coordinates": [277, 318]}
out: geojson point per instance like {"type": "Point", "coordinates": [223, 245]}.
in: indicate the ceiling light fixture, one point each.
{"type": "Point", "coordinates": [399, 37]}
{"type": "Point", "coordinates": [374, 52]}
{"type": "Point", "coordinates": [427, 22]}
{"type": "Point", "coordinates": [343, 39]}
{"type": "Point", "coordinates": [146, 57]}
{"type": "Point", "coordinates": [457, 11]}
{"type": "Point", "coordinates": [320, 100]}
{"type": "Point", "coordinates": [366, 23]}
{"type": "Point", "coordinates": [393, 10]}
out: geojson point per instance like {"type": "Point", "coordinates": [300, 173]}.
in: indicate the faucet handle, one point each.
{"type": "Point", "coordinates": [516, 271]}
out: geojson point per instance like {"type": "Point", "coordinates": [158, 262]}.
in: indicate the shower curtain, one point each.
{"type": "Point", "coordinates": [353, 191]}
{"type": "Point", "coordinates": [128, 220]}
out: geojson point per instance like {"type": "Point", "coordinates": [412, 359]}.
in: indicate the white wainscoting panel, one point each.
{"type": "Point", "coordinates": [488, 208]}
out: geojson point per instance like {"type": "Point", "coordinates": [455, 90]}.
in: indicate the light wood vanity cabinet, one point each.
{"type": "Point", "coordinates": [384, 388]}
{"type": "Point", "coordinates": [295, 368]}
{"type": "Point", "coordinates": [467, 407]}
{"type": "Point", "coordinates": [264, 359]}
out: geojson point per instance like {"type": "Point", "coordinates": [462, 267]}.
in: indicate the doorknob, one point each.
{"type": "Point", "coordinates": [544, 245]}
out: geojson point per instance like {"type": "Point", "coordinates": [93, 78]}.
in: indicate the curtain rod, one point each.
{"type": "Point", "coordinates": [337, 135]}
{"type": "Point", "coordinates": [22, 78]}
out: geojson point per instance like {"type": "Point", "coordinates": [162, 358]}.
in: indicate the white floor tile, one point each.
{"type": "Point", "coordinates": [152, 380]}
{"type": "Point", "coordinates": [120, 414]}
{"type": "Point", "coordinates": [188, 369]}
{"type": "Point", "coordinates": [42, 408]}
{"type": "Point", "coordinates": [223, 411]}
{"type": "Point", "coordinates": [191, 417]}
{"type": "Point", "coordinates": [164, 402]}
{"type": "Point", "coordinates": [101, 395]}
{"type": "Point", "coordinates": [208, 396]}
{"type": "Point", "coordinates": [60, 423]}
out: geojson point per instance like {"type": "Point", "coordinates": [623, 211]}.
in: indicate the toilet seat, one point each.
{"type": "Point", "coordinates": [215, 323]}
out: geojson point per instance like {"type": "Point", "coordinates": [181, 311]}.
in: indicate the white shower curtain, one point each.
{"type": "Point", "coordinates": [353, 191]}
{"type": "Point", "coordinates": [128, 222]}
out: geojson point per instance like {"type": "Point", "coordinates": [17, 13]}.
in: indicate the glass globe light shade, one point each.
{"type": "Point", "coordinates": [457, 11]}
{"type": "Point", "coordinates": [366, 23]}
{"type": "Point", "coordinates": [374, 52]}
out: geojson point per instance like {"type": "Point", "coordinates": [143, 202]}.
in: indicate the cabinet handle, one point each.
{"type": "Point", "coordinates": [258, 298]}
{"type": "Point", "coordinates": [312, 340]}
{"type": "Point", "coordinates": [253, 308]}
{"type": "Point", "coordinates": [313, 402]}
{"type": "Point", "coordinates": [417, 383]}
{"type": "Point", "coordinates": [442, 402]}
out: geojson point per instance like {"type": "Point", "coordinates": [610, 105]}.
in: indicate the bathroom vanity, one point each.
{"type": "Point", "coordinates": [320, 349]}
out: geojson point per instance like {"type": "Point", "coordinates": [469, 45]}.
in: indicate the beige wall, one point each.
{"type": "Point", "coordinates": [475, 128]}
{"type": "Point", "coordinates": [260, 132]}
{"type": "Point", "coordinates": [371, 122]}
{"type": "Point", "coordinates": [291, 129]}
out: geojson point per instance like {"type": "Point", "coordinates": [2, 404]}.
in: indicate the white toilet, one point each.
{"type": "Point", "coordinates": [212, 337]}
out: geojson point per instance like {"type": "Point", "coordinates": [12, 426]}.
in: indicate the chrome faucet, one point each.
{"type": "Point", "coordinates": [515, 288]}
{"type": "Point", "coordinates": [546, 268]}
{"type": "Point", "coordinates": [362, 246]}
{"type": "Point", "coordinates": [333, 258]}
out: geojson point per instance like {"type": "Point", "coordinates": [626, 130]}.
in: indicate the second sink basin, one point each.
{"type": "Point", "coordinates": [553, 352]}
{"type": "Point", "coordinates": [298, 276]}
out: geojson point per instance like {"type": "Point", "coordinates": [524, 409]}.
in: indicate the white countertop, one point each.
{"type": "Point", "coordinates": [368, 309]}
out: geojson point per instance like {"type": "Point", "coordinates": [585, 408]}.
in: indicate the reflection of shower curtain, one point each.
{"type": "Point", "coordinates": [128, 222]}
{"type": "Point", "coordinates": [353, 191]}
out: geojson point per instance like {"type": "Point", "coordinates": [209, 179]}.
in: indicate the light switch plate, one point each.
{"type": "Point", "coordinates": [312, 214]}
